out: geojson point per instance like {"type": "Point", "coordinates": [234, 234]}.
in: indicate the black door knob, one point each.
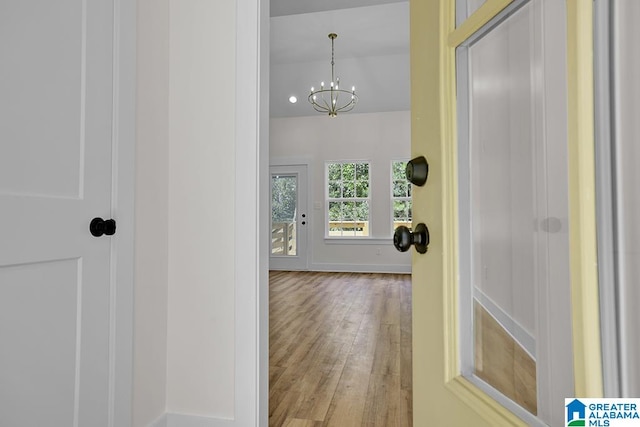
{"type": "Point", "coordinates": [403, 238]}
{"type": "Point", "coordinates": [417, 171]}
{"type": "Point", "coordinates": [99, 226]}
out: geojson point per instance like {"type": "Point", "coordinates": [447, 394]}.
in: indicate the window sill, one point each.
{"type": "Point", "coordinates": [358, 241]}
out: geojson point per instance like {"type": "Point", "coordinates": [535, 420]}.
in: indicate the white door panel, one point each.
{"type": "Point", "coordinates": [55, 176]}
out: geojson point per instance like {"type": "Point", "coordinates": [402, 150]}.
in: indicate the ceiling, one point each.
{"type": "Point", "coordinates": [371, 52]}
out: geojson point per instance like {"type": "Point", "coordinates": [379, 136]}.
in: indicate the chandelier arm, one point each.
{"type": "Point", "coordinates": [327, 105]}
{"type": "Point", "coordinates": [319, 109]}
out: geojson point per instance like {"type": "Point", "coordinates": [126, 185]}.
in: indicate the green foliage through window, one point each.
{"type": "Point", "coordinates": [283, 198]}
{"type": "Point", "coordinates": [348, 188]}
{"type": "Point", "coordinates": [400, 195]}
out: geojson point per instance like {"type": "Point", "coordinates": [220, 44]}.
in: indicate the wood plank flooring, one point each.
{"type": "Point", "coordinates": [340, 349]}
{"type": "Point", "coordinates": [502, 362]}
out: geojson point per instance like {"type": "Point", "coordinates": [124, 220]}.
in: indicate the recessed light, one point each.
{"type": "Point", "coordinates": [293, 99]}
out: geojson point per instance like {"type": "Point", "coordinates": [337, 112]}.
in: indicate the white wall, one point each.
{"type": "Point", "coordinates": [376, 137]}
{"type": "Point", "coordinates": [152, 198]}
{"type": "Point", "coordinates": [627, 133]}
{"type": "Point", "coordinates": [185, 251]}
{"type": "Point", "coordinates": [202, 236]}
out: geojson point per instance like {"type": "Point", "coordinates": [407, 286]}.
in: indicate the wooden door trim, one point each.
{"type": "Point", "coordinates": [587, 359]}
{"type": "Point", "coordinates": [477, 20]}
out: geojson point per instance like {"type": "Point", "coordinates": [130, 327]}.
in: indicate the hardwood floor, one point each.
{"type": "Point", "coordinates": [340, 349]}
{"type": "Point", "coordinates": [502, 362]}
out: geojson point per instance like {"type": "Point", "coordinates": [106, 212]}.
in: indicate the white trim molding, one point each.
{"type": "Point", "coordinates": [526, 340]}
{"type": "Point", "coordinates": [160, 422]}
{"type": "Point", "coordinates": [182, 420]}
{"type": "Point", "coordinates": [123, 202]}
{"type": "Point", "coordinates": [251, 214]}
{"type": "Point", "coordinates": [362, 268]}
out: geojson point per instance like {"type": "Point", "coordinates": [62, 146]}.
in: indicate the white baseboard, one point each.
{"type": "Point", "coordinates": [361, 268]}
{"type": "Point", "coordinates": [182, 420]}
{"type": "Point", "coordinates": [160, 422]}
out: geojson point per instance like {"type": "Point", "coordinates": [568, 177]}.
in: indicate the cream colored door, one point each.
{"type": "Point", "coordinates": [443, 396]}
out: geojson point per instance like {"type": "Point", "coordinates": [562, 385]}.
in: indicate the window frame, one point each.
{"type": "Point", "coordinates": [328, 200]}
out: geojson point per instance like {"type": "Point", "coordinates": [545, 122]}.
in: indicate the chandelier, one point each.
{"type": "Point", "coordinates": [332, 99]}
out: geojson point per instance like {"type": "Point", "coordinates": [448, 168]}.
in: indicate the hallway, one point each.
{"type": "Point", "coordinates": [340, 349]}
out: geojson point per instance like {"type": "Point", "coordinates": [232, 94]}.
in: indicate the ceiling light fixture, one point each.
{"type": "Point", "coordinates": [333, 99]}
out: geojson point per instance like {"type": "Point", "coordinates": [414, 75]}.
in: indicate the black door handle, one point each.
{"type": "Point", "coordinates": [99, 226]}
{"type": "Point", "coordinates": [403, 238]}
{"type": "Point", "coordinates": [417, 171]}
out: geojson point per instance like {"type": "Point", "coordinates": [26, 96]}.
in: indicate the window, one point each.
{"type": "Point", "coordinates": [348, 199]}
{"type": "Point", "coordinates": [400, 195]}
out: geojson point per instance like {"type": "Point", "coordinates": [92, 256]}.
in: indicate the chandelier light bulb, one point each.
{"type": "Point", "coordinates": [329, 100]}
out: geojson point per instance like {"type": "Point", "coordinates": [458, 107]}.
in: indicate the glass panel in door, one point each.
{"type": "Point", "coordinates": [466, 8]}
{"type": "Point", "coordinates": [514, 212]}
{"type": "Point", "coordinates": [284, 201]}
{"type": "Point", "coordinates": [289, 218]}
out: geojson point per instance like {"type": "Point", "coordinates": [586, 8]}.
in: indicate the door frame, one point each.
{"type": "Point", "coordinates": [435, 115]}
{"type": "Point", "coordinates": [251, 403]}
{"type": "Point", "coordinates": [252, 149]}
{"type": "Point", "coordinates": [123, 208]}
{"type": "Point", "coordinates": [301, 171]}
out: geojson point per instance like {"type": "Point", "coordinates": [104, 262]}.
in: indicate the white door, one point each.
{"type": "Point", "coordinates": [289, 218]}
{"type": "Point", "coordinates": [57, 354]}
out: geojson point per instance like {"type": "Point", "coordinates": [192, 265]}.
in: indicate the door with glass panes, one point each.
{"type": "Point", "coordinates": [501, 111]}
{"type": "Point", "coordinates": [289, 218]}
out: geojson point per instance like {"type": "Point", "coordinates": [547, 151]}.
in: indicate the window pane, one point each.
{"type": "Point", "coordinates": [283, 215]}
{"type": "Point", "coordinates": [334, 190]}
{"type": "Point", "coordinates": [362, 189]}
{"type": "Point", "coordinates": [335, 211]}
{"type": "Point", "coordinates": [348, 211]}
{"type": "Point", "coordinates": [362, 211]}
{"type": "Point", "coordinates": [400, 189]}
{"type": "Point", "coordinates": [362, 171]}
{"type": "Point", "coordinates": [335, 171]}
{"type": "Point", "coordinates": [399, 170]}
{"type": "Point", "coordinates": [283, 202]}
{"type": "Point", "coordinates": [398, 210]}
{"type": "Point", "coordinates": [400, 195]}
{"type": "Point", "coordinates": [348, 189]}
{"type": "Point", "coordinates": [348, 171]}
